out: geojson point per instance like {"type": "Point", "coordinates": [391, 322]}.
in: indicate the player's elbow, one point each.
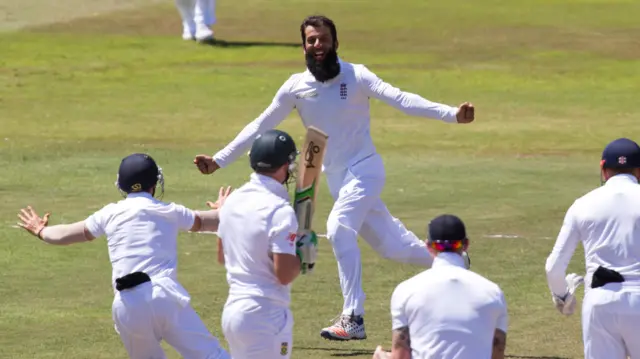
{"type": "Point", "coordinates": [286, 267]}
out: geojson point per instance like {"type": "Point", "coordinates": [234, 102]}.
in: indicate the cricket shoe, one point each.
{"type": "Point", "coordinates": [345, 327]}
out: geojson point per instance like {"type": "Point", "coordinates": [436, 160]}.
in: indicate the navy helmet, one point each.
{"type": "Point", "coordinates": [447, 233]}
{"type": "Point", "coordinates": [271, 150]}
{"type": "Point", "coordinates": [138, 172]}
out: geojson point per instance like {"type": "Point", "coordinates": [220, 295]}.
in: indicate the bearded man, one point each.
{"type": "Point", "coordinates": [333, 95]}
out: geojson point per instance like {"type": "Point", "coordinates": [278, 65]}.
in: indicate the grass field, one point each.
{"type": "Point", "coordinates": [552, 80]}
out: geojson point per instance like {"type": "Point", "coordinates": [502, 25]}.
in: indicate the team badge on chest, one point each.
{"type": "Point", "coordinates": [343, 91]}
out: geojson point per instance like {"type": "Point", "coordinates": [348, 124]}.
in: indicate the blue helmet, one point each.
{"type": "Point", "coordinates": [138, 172]}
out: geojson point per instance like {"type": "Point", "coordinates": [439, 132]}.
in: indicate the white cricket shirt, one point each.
{"type": "Point", "coordinates": [607, 222]}
{"type": "Point", "coordinates": [340, 107]}
{"type": "Point", "coordinates": [255, 221]}
{"type": "Point", "coordinates": [141, 234]}
{"type": "Point", "coordinates": [451, 312]}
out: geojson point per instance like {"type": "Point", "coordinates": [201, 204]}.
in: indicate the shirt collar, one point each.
{"type": "Point", "coordinates": [269, 183]}
{"type": "Point", "coordinates": [140, 195]}
{"type": "Point", "coordinates": [448, 259]}
{"type": "Point", "coordinates": [623, 177]}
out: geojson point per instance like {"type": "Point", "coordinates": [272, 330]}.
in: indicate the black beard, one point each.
{"type": "Point", "coordinates": [325, 69]}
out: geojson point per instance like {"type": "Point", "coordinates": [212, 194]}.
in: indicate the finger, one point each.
{"type": "Point", "coordinates": [46, 217]}
{"type": "Point", "coordinates": [23, 218]}
{"type": "Point", "coordinates": [228, 191]}
{"type": "Point", "coordinates": [221, 192]}
{"type": "Point", "coordinates": [26, 213]}
{"type": "Point", "coordinates": [211, 205]}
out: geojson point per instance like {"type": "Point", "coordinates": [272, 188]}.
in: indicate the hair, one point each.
{"type": "Point", "coordinates": [619, 171]}
{"type": "Point", "coordinates": [317, 21]}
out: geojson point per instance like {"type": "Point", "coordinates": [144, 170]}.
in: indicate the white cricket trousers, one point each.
{"type": "Point", "coordinates": [159, 310]}
{"type": "Point", "coordinates": [256, 328]}
{"type": "Point", "coordinates": [358, 209]}
{"type": "Point", "coordinates": [611, 321]}
{"type": "Point", "coordinates": [197, 16]}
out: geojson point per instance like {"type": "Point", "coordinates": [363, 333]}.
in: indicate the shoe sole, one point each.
{"type": "Point", "coordinates": [328, 336]}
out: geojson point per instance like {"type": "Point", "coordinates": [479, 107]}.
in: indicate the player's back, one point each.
{"type": "Point", "coordinates": [248, 218]}
{"type": "Point", "coordinates": [142, 234]}
{"type": "Point", "coordinates": [452, 313]}
{"type": "Point", "coordinates": [608, 219]}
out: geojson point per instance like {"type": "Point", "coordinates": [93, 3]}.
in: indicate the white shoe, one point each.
{"type": "Point", "coordinates": [345, 327]}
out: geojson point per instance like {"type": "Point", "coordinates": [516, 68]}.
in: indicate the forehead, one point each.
{"type": "Point", "coordinates": [317, 31]}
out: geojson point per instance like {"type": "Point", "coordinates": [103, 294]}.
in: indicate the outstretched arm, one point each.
{"type": "Point", "coordinates": [62, 234]}
{"type": "Point", "coordinates": [277, 111]}
{"type": "Point", "coordinates": [409, 103]}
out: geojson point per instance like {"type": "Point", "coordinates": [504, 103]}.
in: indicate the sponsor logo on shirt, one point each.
{"type": "Point", "coordinates": [307, 94]}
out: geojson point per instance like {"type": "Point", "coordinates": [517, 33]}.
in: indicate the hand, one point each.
{"type": "Point", "coordinates": [205, 164]}
{"type": "Point", "coordinates": [381, 353]}
{"type": "Point", "coordinates": [307, 250]}
{"type": "Point", "coordinates": [567, 304]}
{"type": "Point", "coordinates": [222, 197]}
{"type": "Point", "coordinates": [466, 113]}
{"type": "Point", "coordinates": [30, 221]}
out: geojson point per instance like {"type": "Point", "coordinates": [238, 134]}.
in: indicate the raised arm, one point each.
{"type": "Point", "coordinates": [281, 105]}
{"type": "Point", "coordinates": [410, 103]}
{"type": "Point", "coordinates": [61, 234]}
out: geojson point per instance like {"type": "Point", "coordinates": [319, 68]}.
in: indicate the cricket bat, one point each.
{"type": "Point", "coordinates": [309, 170]}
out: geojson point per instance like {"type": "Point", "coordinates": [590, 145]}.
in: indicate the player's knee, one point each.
{"type": "Point", "coordinates": [342, 238]}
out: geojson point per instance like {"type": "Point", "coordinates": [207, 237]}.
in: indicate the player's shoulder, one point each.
{"type": "Point", "coordinates": [484, 283]}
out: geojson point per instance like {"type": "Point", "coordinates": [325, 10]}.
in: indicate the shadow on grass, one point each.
{"type": "Point", "coordinates": [343, 353]}
{"type": "Point", "coordinates": [225, 43]}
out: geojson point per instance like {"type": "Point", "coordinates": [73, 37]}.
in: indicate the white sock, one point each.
{"type": "Point", "coordinates": [350, 272]}
{"type": "Point", "coordinates": [186, 8]}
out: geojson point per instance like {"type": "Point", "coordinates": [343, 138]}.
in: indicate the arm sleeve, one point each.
{"type": "Point", "coordinates": [184, 216]}
{"type": "Point", "coordinates": [283, 231]}
{"type": "Point", "coordinates": [96, 223]}
{"type": "Point", "coordinates": [503, 318]}
{"type": "Point", "coordinates": [398, 315]}
{"type": "Point", "coordinates": [281, 105]}
{"type": "Point", "coordinates": [409, 103]}
{"type": "Point", "coordinates": [561, 254]}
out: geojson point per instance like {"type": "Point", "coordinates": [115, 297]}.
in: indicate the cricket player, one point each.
{"type": "Point", "coordinates": [447, 312]}
{"type": "Point", "coordinates": [333, 95]}
{"type": "Point", "coordinates": [149, 303]}
{"type": "Point", "coordinates": [607, 222]}
{"type": "Point", "coordinates": [198, 17]}
{"type": "Point", "coordinates": [261, 253]}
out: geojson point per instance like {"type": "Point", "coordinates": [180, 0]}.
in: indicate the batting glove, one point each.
{"type": "Point", "coordinates": [567, 303]}
{"type": "Point", "coordinates": [307, 251]}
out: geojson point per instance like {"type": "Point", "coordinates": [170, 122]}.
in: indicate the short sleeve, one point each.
{"type": "Point", "coordinates": [503, 316]}
{"type": "Point", "coordinates": [97, 222]}
{"type": "Point", "coordinates": [398, 315]}
{"type": "Point", "coordinates": [184, 216]}
{"type": "Point", "coordinates": [283, 231]}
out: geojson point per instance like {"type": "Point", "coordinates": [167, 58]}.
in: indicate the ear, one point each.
{"type": "Point", "coordinates": [466, 245]}
{"type": "Point", "coordinates": [337, 45]}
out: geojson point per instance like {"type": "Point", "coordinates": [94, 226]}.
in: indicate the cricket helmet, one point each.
{"type": "Point", "coordinates": [447, 233]}
{"type": "Point", "coordinates": [138, 172]}
{"type": "Point", "coordinates": [271, 150]}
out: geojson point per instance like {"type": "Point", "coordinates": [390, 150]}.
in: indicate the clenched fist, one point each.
{"type": "Point", "coordinates": [205, 164]}
{"type": "Point", "coordinates": [466, 113]}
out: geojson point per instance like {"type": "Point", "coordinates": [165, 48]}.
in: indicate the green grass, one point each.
{"type": "Point", "coordinates": [552, 81]}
